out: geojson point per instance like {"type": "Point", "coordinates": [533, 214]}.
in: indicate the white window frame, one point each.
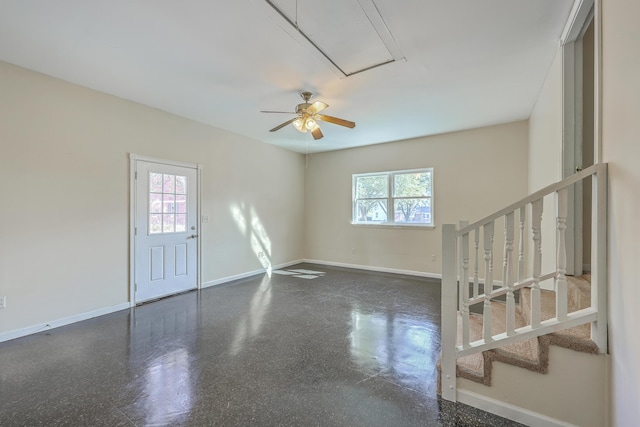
{"type": "Point", "coordinates": [390, 222]}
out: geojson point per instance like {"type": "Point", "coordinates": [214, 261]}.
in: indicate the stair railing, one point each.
{"type": "Point", "coordinates": [461, 274]}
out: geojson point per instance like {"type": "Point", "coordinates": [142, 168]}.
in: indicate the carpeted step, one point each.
{"type": "Point", "coordinates": [578, 297]}
{"type": "Point", "coordinates": [531, 354]}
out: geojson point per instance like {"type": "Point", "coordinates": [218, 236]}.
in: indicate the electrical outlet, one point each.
{"type": "Point", "coordinates": [3, 302]}
{"type": "Point", "coordinates": [433, 257]}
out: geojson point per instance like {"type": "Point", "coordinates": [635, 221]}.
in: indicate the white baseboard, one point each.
{"type": "Point", "coordinates": [506, 410]}
{"type": "Point", "coordinates": [371, 268]}
{"type": "Point", "coordinates": [18, 333]}
{"type": "Point", "coordinates": [247, 274]}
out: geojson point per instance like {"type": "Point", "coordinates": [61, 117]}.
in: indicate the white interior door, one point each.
{"type": "Point", "coordinates": [166, 230]}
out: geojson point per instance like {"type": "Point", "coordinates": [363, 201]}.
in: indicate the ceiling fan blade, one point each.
{"type": "Point", "coordinates": [316, 107]}
{"type": "Point", "coordinates": [317, 133]}
{"type": "Point", "coordinates": [336, 121]}
{"type": "Point", "coordinates": [288, 122]}
{"type": "Point", "coordinates": [280, 112]}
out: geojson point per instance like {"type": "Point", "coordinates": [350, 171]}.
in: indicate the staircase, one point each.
{"type": "Point", "coordinates": [504, 315]}
{"type": "Point", "coordinates": [531, 354]}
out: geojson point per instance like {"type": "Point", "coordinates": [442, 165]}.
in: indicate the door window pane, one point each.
{"type": "Point", "coordinates": [169, 183]}
{"type": "Point", "coordinates": [168, 223]}
{"type": "Point", "coordinates": [181, 184]}
{"type": "Point", "coordinates": [155, 224]}
{"type": "Point", "coordinates": [181, 204]}
{"type": "Point", "coordinates": [155, 182]}
{"type": "Point", "coordinates": [168, 203]}
{"type": "Point", "coordinates": [155, 203]}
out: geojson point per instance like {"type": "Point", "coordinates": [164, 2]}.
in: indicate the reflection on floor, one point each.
{"type": "Point", "coordinates": [355, 349]}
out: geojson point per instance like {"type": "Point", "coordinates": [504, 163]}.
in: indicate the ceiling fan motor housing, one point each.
{"type": "Point", "coordinates": [302, 108]}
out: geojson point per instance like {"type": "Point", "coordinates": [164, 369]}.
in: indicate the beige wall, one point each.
{"type": "Point", "coordinates": [476, 172]}
{"type": "Point", "coordinates": [545, 155]}
{"type": "Point", "coordinates": [565, 393]}
{"type": "Point", "coordinates": [545, 131]}
{"type": "Point", "coordinates": [621, 149]}
{"type": "Point", "coordinates": [64, 187]}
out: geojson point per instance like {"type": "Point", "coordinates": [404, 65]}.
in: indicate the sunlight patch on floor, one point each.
{"type": "Point", "coordinates": [300, 273]}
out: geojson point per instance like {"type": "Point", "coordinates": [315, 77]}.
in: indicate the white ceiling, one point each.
{"type": "Point", "coordinates": [466, 63]}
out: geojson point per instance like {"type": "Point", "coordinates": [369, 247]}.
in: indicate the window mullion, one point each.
{"type": "Point", "coordinates": [391, 211]}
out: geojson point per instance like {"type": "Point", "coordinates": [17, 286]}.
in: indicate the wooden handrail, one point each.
{"type": "Point", "coordinates": [579, 176]}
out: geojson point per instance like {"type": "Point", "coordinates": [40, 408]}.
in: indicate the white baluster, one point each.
{"type": "Point", "coordinates": [522, 218]}
{"type": "Point", "coordinates": [476, 265]}
{"type": "Point", "coordinates": [508, 272]}
{"type": "Point", "coordinates": [536, 233]}
{"type": "Point", "coordinates": [561, 263]}
{"type": "Point", "coordinates": [487, 234]}
{"type": "Point", "coordinates": [464, 284]}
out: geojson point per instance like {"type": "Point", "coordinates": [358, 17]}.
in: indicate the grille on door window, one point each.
{"type": "Point", "coordinates": [167, 203]}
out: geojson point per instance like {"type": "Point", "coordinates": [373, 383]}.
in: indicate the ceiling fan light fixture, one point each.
{"type": "Point", "coordinates": [298, 123]}
{"type": "Point", "coordinates": [310, 124]}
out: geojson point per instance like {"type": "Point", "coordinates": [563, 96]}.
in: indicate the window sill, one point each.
{"type": "Point", "coordinates": [396, 226]}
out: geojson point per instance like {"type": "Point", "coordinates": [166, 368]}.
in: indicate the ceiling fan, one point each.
{"type": "Point", "coordinates": [308, 115]}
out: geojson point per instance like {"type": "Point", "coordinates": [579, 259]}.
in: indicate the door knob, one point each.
{"type": "Point", "coordinates": [193, 236]}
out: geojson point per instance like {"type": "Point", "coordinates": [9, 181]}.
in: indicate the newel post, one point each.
{"type": "Point", "coordinates": [449, 315]}
{"type": "Point", "coordinates": [599, 291]}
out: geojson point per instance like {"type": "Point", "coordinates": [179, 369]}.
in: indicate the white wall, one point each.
{"type": "Point", "coordinates": [64, 191]}
{"type": "Point", "coordinates": [621, 149]}
{"type": "Point", "coordinates": [476, 172]}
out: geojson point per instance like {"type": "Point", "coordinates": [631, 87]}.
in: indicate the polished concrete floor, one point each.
{"type": "Point", "coordinates": [309, 346]}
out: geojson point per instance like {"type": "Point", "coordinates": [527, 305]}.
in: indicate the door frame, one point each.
{"type": "Point", "coordinates": [582, 13]}
{"type": "Point", "coordinates": [133, 159]}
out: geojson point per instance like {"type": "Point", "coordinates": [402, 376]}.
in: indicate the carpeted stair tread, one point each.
{"type": "Point", "coordinates": [578, 297]}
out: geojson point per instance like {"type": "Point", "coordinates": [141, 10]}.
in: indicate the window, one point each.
{"type": "Point", "coordinates": [409, 195]}
{"type": "Point", "coordinates": [167, 203]}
